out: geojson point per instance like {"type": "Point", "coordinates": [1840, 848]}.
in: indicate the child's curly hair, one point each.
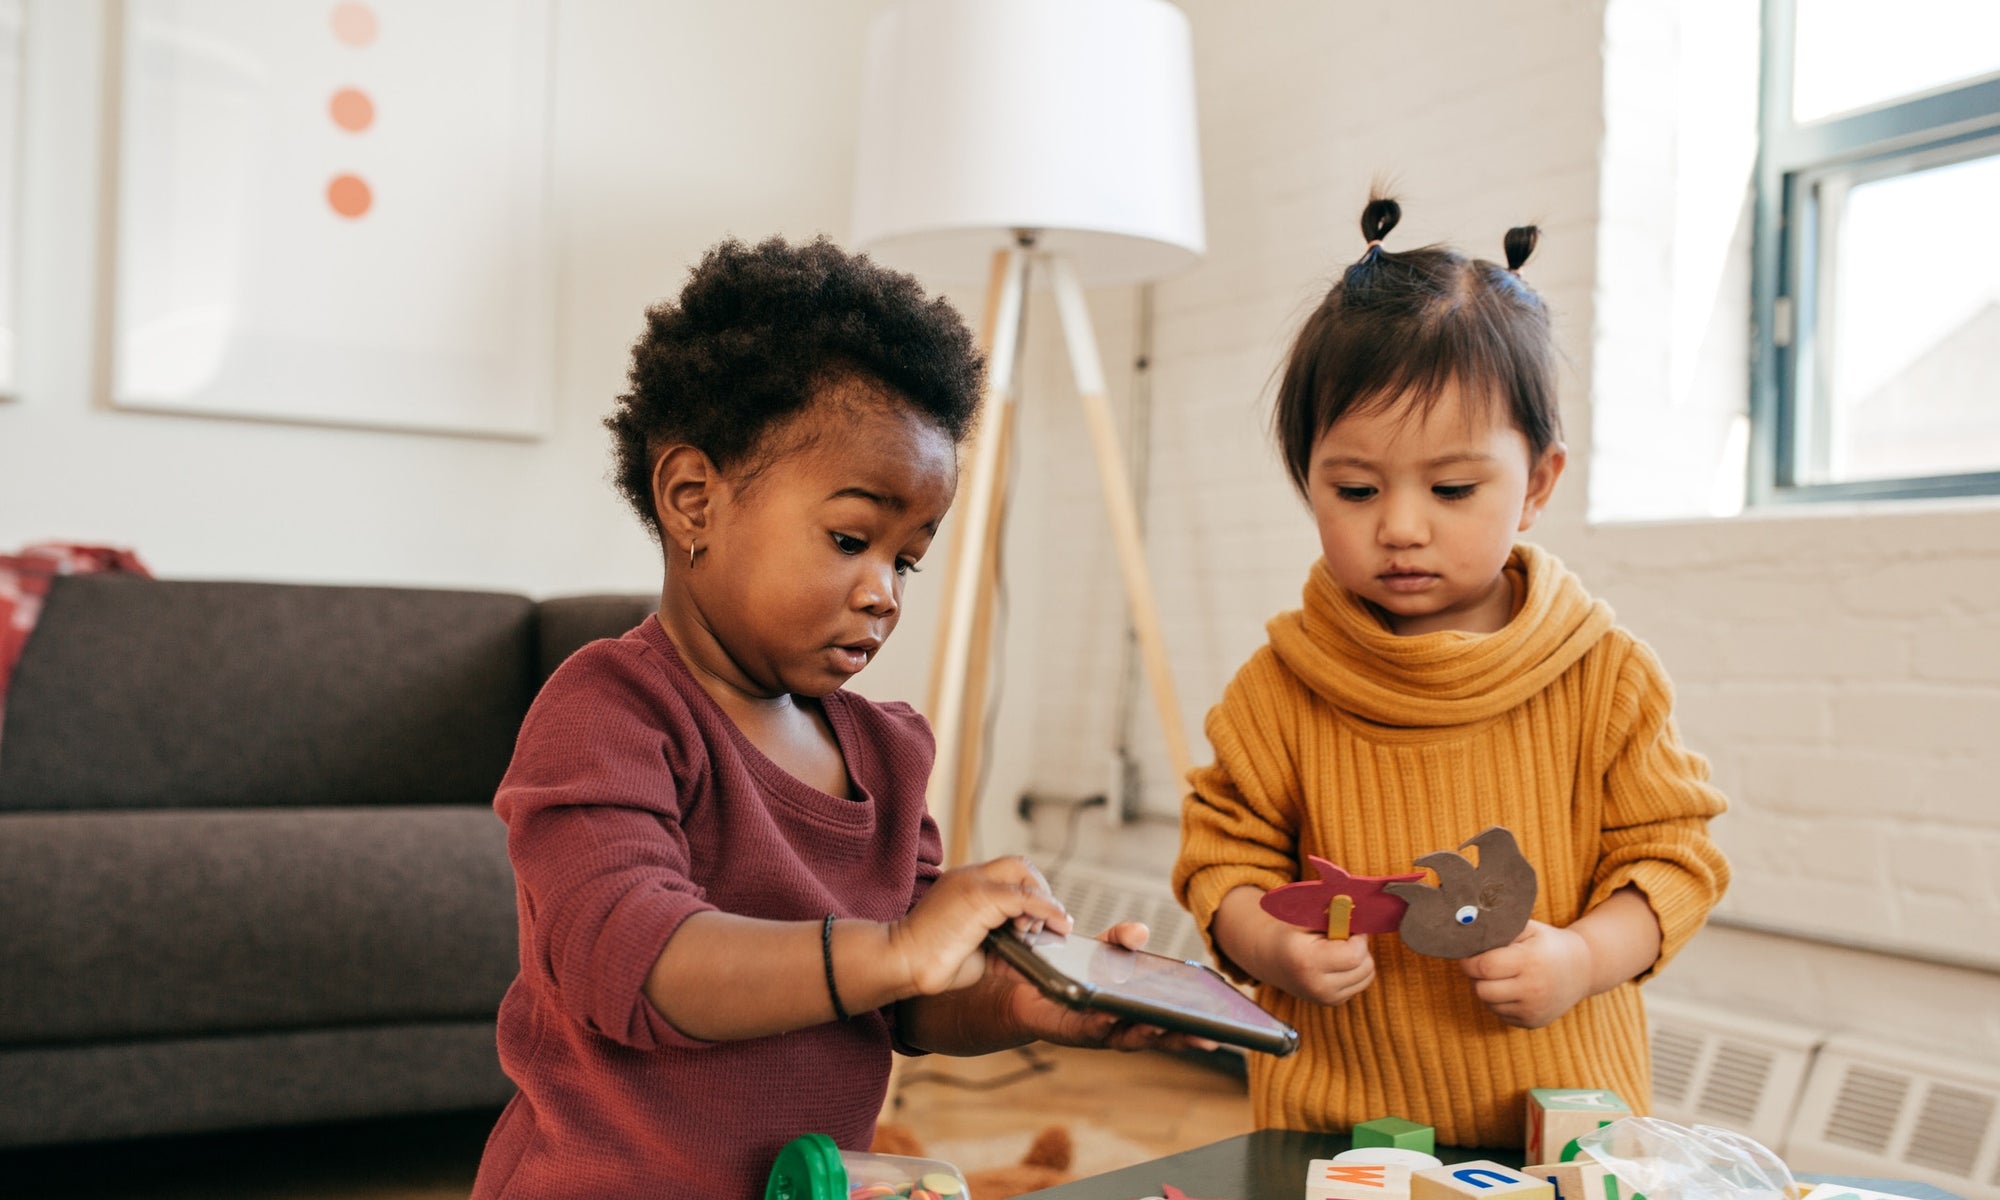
{"type": "Point", "coordinates": [758, 331]}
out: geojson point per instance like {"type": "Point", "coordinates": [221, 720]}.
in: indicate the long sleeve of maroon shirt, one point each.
{"type": "Point", "coordinates": [632, 803]}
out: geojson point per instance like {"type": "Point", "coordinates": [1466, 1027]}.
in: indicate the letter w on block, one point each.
{"type": "Point", "coordinates": [1330, 1180]}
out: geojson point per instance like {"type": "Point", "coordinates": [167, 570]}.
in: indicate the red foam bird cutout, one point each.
{"type": "Point", "coordinates": [1305, 903]}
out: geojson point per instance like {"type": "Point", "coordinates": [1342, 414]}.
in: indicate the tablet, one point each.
{"type": "Point", "coordinates": [1186, 997]}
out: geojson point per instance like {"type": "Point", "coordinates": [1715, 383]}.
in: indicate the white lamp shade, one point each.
{"type": "Point", "coordinates": [1071, 118]}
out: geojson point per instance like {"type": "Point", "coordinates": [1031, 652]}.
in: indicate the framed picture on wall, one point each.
{"type": "Point", "coordinates": [11, 75]}
{"type": "Point", "coordinates": [334, 211]}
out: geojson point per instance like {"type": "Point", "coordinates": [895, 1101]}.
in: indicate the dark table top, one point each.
{"type": "Point", "coordinates": [1270, 1164]}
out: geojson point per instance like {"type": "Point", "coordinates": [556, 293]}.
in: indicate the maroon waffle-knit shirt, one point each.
{"type": "Point", "coordinates": [631, 804]}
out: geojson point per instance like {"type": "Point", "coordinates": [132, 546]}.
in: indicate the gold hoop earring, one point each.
{"type": "Point", "coordinates": [692, 548]}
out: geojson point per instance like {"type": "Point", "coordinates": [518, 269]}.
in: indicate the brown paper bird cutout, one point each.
{"type": "Point", "coordinates": [1472, 909]}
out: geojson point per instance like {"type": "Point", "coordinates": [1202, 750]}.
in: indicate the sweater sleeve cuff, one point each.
{"type": "Point", "coordinates": [1679, 902]}
{"type": "Point", "coordinates": [634, 936]}
{"type": "Point", "coordinates": [1202, 894]}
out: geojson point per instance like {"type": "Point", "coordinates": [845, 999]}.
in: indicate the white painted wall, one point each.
{"type": "Point", "coordinates": [667, 135]}
{"type": "Point", "coordinates": [661, 145]}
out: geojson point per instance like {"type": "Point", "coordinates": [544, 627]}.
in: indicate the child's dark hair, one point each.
{"type": "Point", "coordinates": [1412, 322]}
{"type": "Point", "coordinates": [758, 331]}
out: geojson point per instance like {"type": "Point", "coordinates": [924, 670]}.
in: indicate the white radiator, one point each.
{"type": "Point", "coordinates": [1872, 1109]}
{"type": "Point", "coordinates": [1712, 1066]}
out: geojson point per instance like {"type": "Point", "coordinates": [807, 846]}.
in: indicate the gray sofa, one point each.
{"type": "Point", "coordinates": [249, 869]}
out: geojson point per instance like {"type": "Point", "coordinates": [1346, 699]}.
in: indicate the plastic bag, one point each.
{"type": "Point", "coordinates": [1666, 1161]}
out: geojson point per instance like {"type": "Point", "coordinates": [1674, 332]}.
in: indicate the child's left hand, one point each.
{"type": "Point", "coordinates": [1536, 978]}
{"type": "Point", "coordinates": [1040, 1017]}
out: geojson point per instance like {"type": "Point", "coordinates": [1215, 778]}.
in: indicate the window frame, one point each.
{"type": "Point", "coordinates": [1792, 159]}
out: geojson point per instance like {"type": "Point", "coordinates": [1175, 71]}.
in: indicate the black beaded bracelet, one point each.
{"type": "Point", "coordinates": [826, 955]}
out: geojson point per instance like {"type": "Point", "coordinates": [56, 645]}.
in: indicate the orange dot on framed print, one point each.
{"type": "Point", "coordinates": [357, 232]}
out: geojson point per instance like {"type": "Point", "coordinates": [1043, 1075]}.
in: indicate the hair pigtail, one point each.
{"type": "Point", "coordinates": [1520, 244]}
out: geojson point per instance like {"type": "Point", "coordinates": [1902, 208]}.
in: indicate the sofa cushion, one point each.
{"type": "Point", "coordinates": [169, 1086]}
{"type": "Point", "coordinates": [567, 623]}
{"type": "Point", "coordinates": [137, 693]}
{"type": "Point", "coordinates": [118, 1090]}
{"type": "Point", "coordinates": [151, 924]}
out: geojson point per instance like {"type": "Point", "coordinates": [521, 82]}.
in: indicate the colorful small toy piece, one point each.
{"type": "Point", "coordinates": [1330, 1179]}
{"type": "Point", "coordinates": [1315, 903]}
{"type": "Point", "coordinates": [812, 1167]}
{"type": "Point", "coordinates": [1556, 1117]}
{"type": "Point", "coordinates": [1482, 1178]}
{"type": "Point", "coordinates": [1395, 1131]}
{"type": "Point", "coordinates": [1472, 909]}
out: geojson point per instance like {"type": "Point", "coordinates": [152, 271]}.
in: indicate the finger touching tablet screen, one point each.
{"type": "Point", "coordinates": [1186, 997]}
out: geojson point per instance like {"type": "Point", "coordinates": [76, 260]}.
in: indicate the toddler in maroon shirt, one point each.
{"type": "Point", "coordinates": [731, 898]}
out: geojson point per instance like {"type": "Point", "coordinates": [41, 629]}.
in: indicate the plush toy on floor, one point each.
{"type": "Point", "coordinates": [1045, 1165]}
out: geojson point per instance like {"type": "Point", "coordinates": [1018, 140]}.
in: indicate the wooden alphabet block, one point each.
{"type": "Point", "coordinates": [1397, 1132]}
{"type": "Point", "coordinates": [1556, 1117]}
{"type": "Point", "coordinates": [1582, 1178]}
{"type": "Point", "coordinates": [1330, 1180]}
{"type": "Point", "coordinates": [1481, 1178]}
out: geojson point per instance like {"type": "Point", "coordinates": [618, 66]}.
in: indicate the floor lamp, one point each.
{"type": "Point", "coordinates": [1036, 141]}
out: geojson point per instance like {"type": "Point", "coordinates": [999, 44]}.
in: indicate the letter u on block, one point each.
{"type": "Point", "coordinates": [1481, 1177]}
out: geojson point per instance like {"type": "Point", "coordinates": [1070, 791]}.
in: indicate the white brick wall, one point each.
{"type": "Point", "coordinates": [1840, 667]}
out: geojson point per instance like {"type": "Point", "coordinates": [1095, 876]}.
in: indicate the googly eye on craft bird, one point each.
{"type": "Point", "coordinates": [1467, 915]}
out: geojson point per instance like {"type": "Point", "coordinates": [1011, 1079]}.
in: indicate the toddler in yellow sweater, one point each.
{"type": "Point", "coordinates": [1442, 678]}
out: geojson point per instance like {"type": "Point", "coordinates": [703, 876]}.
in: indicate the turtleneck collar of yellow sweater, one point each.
{"type": "Point", "coordinates": [1340, 648]}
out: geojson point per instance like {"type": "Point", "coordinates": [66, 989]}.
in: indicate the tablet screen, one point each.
{"type": "Point", "coordinates": [1114, 970]}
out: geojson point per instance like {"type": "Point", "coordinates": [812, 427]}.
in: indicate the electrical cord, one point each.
{"type": "Point", "coordinates": [1069, 837]}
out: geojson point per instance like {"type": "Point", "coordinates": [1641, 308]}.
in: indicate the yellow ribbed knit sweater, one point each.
{"type": "Point", "coordinates": [1343, 740]}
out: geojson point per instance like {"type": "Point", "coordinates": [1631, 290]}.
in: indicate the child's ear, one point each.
{"type": "Point", "coordinates": [684, 487]}
{"type": "Point", "coordinates": [1542, 483]}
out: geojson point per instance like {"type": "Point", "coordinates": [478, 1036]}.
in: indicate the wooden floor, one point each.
{"type": "Point", "coordinates": [975, 1112]}
{"type": "Point", "coordinates": [1120, 1109]}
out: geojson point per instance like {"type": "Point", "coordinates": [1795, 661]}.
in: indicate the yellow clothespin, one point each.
{"type": "Point", "coordinates": [1337, 914]}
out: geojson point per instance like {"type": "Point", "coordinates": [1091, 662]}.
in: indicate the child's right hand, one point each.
{"type": "Point", "coordinates": [1298, 961]}
{"type": "Point", "coordinates": [1313, 966]}
{"type": "Point", "coordinates": [939, 940]}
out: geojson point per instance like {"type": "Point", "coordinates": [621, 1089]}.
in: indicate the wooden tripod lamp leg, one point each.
{"type": "Point", "coordinates": [980, 489]}
{"type": "Point", "coordinates": [1089, 372]}
{"type": "Point", "coordinates": [996, 286]}
{"type": "Point", "coordinates": [979, 655]}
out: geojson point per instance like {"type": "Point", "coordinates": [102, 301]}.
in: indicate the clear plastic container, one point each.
{"type": "Point", "coordinates": [813, 1168]}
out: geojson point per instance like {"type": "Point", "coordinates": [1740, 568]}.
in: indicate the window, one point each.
{"type": "Point", "coordinates": [1877, 261]}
